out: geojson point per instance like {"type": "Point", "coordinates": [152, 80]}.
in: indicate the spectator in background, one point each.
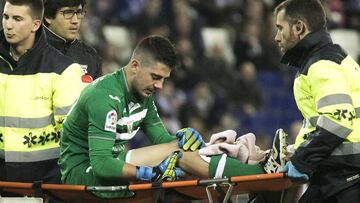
{"type": "Point", "coordinates": [185, 23]}
{"type": "Point", "coordinates": [248, 45]}
{"type": "Point", "coordinates": [217, 13]}
{"type": "Point", "coordinates": [217, 70]}
{"type": "Point", "coordinates": [105, 10]}
{"type": "Point", "coordinates": [168, 103]}
{"type": "Point", "coordinates": [254, 39]}
{"type": "Point", "coordinates": [111, 61]}
{"type": "Point", "coordinates": [38, 85]}
{"type": "Point", "coordinates": [245, 97]}
{"type": "Point", "coordinates": [352, 14]}
{"type": "Point", "coordinates": [63, 20]}
{"type": "Point", "coordinates": [199, 106]}
{"type": "Point", "coordinates": [254, 11]}
{"type": "Point", "coordinates": [188, 75]}
{"type": "Point", "coordinates": [246, 91]}
{"type": "Point", "coordinates": [150, 16]}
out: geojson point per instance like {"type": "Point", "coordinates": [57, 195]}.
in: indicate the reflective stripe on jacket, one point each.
{"type": "Point", "coordinates": [36, 92]}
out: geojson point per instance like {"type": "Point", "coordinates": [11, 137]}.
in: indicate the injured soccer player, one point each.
{"type": "Point", "coordinates": [223, 156]}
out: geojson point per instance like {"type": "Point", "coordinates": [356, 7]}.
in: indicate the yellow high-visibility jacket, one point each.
{"type": "Point", "coordinates": [327, 92]}
{"type": "Point", "coordinates": [36, 92]}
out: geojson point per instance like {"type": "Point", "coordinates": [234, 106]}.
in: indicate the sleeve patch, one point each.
{"type": "Point", "coordinates": [86, 78]}
{"type": "Point", "coordinates": [111, 120]}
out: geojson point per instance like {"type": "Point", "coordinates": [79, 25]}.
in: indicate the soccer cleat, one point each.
{"type": "Point", "coordinates": [276, 156]}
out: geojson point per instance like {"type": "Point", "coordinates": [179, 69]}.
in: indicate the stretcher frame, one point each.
{"type": "Point", "coordinates": [144, 192]}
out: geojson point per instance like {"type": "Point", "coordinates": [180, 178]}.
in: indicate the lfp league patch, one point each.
{"type": "Point", "coordinates": [111, 119]}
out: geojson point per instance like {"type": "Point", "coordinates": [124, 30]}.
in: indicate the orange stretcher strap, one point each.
{"type": "Point", "coordinates": [196, 189]}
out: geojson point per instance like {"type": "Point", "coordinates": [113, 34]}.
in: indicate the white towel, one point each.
{"type": "Point", "coordinates": [243, 149]}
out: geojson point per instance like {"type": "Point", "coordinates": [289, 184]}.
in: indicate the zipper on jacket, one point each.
{"type": "Point", "coordinates": [7, 63]}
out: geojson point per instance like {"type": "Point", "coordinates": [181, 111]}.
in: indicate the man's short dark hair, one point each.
{"type": "Point", "coordinates": [36, 6]}
{"type": "Point", "coordinates": [156, 49]}
{"type": "Point", "coordinates": [53, 6]}
{"type": "Point", "coordinates": [309, 11]}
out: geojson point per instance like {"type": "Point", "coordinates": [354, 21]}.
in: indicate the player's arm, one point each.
{"type": "Point", "coordinates": [105, 166]}
{"type": "Point", "coordinates": [102, 134]}
{"type": "Point", "coordinates": [153, 127]}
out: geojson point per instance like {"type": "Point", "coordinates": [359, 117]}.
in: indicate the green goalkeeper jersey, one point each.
{"type": "Point", "coordinates": [106, 116]}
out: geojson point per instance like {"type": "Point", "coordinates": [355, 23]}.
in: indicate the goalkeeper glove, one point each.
{"type": "Point", "coordinates": [189, 139]}
{"type": "Point", "coordinates": [166, 170]}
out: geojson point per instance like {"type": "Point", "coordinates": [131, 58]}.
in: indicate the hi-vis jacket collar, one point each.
{"type": "Point", "coordinates": [310, 44]}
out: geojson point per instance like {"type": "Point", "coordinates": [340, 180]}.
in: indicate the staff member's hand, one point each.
{"type": "Point", "coordinates": [189, 139]}
{"type": "Point", "coordinates": [293, 173]}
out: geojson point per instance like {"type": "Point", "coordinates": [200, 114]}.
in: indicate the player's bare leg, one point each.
{"type": "Point", "coordinates": [191, 162]}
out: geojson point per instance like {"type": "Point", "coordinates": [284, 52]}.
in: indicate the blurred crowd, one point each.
{"type": "Point", "coordinates": [216, 86]}
{"type": "Point", "coordinates": [224, 45]}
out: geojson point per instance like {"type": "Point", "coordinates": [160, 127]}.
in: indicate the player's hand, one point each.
{"type": "Point", "coordinates": [189, 139]}
{"type": "Point", "coordinates": [293, 173]}
{"type": "Point", "coordinates": [166, 170]}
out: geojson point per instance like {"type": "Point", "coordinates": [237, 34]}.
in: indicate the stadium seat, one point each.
{"type": "Point", "coordinates": [348, 39]}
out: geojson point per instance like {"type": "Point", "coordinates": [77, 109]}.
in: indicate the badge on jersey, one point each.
{"type": "Point", "coordinates": [111, 119]}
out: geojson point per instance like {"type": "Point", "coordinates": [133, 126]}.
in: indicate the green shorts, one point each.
{"type": "Point", "coordinates": [234, 167]}
{"type": "Point", "coordinates": [82, 174]}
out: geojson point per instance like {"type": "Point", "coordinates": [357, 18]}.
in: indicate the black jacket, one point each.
{"type": "Point", "coordinates": [38, 59]}
{"type": "Point", "coordinates": [78, 51]}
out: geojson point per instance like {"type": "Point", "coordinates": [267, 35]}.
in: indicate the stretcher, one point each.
{"type": "Point", "coordinates": [145, 192]}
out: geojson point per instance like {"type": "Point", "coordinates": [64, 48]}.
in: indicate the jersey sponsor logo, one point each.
{"type": "Point", "coordinates": [124, 121]}
{"type": "Point", "coordinates": [114, 98]}
{"type": "Point", "coordinates": [110, 123]}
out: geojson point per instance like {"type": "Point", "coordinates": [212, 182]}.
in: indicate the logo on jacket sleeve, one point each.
{"type": "Point", "coordinates": [111, 119]}
{"type": "Point", "coordinates": [86, 78]}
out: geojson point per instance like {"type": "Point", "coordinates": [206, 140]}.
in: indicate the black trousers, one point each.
{"type": "Point", "coordinates": [46, 171]}
{"type": "Point", "coordinates": [348, 195]}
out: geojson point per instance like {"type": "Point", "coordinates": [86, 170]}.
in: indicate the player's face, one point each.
{"type": "Point", "coordinates": [285, 35]}
{"type": "Point", "coordinates": [18, 24]}
{"type": "Point", "coordinates": [150, 79]}
{"type": "Point", "coordinates": [67, 22]}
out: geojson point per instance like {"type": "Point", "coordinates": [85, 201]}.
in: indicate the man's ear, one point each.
{"type": "Point", "coordinates": [36, 25]}
{"type": "Point", "coordinates": [300, 28]}
{"type": "Point", "coordinates": [135, 65]}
